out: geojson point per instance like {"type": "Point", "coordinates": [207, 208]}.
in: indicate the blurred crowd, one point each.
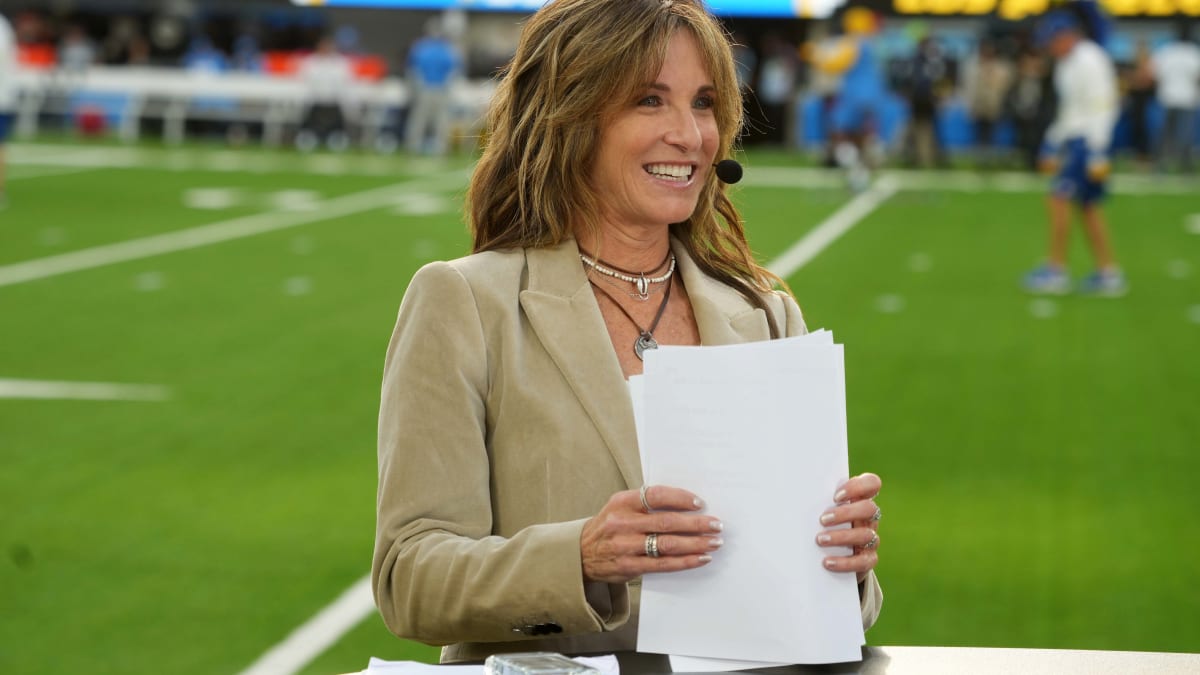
{"type": "Point", "coordinates": [922, 95]}
{"type": "Point", "coordinates": [916, 92]}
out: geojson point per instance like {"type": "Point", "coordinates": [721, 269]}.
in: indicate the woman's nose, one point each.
{"type": "Point", "coordinates": [683, 130]}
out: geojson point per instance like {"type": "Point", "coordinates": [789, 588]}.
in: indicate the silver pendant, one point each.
{"type": "Point", "coordinates": [645, 341]}
{"type": "Point", "coordinates": [643, 287]}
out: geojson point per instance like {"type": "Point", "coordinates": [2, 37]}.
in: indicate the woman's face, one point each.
{"type": "Point", "coordinates": [658, 148]}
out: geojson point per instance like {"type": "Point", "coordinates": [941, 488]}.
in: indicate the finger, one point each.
{"type": "Point", "coordinates": [674, 563]}
{"type": "Point", "coordinates": [857, 537]}
{"type": "Point", "coordinates": [864, 486]}
{"type": "Point", "coordinates": [676, 545]}
{"type": "Point", "coordinates": [665, 497]}
{"type": "Point", "coordinates": [678, 523]}
{"type": "Point", "coordinates": [859, 562]}
{"type": "Point", "coordinates": [862, 511]}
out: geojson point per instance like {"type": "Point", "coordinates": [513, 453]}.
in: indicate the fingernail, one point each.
{"type": "Point", "coordinates": [829, 563]}
{"type": "Point", "coordinates": [705, 559]}
{"type": "Point", "coordinates": [824, 538]}
{"type": "Point", "coordinates": [698, 503]}
{"type": "Point", "coordinates": [839, 496]}
{"type": "Point", "coordinates": [716, 542]}
{"type": "Point", "coordinates": [716, 525]}
{"type": "Point", "coordinates": [826, 518]}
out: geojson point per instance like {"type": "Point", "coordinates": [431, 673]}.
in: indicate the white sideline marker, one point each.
{"type": "Point", "coordinates": [820, 237]}
{"type": "Point", "coordinates": [84, 391]}
{"type": "Point", "coordinates": [205, 235]}
{"type": "Point", "coordinates": [356, 603]}
{"type": "Point", "coordinates": [319, 633]}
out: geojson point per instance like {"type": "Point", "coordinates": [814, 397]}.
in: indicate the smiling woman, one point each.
{"type": "Point", "coordinates": [511, 513]}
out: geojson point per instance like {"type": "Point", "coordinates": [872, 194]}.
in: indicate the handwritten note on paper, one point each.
{"type": "Point", "coordinates": [759, 432]}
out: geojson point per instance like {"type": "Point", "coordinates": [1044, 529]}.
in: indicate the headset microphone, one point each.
{"type": "Point", "coordinates": [728, 171]}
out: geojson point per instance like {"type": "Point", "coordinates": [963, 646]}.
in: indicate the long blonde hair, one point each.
{"type": "Point", "coordinates": [576, 61]}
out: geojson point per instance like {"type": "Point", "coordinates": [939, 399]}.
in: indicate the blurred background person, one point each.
{"type": "Point", "coordinates": [853, 114]}
{"type": "Point", "coordinates": [1077, 147]}
{"type": "Point", "coordinates": [926, 78]}
{"type": "Point", "coordinates": [433, 64]}
{"type": "Point", "coordinates": [1029, 103]}
{"type": "Point", "coordinates": [1139, 95]}
{"type": "Point", "coordinates": [327, 74]}
{"type": "Point", "coordinates": [76, 53]}
{"type": "Point", "coordinates": [987, 79]}
{"type": "Point", "coordinates": [1177, 70]}
{"type": "Point", "coordinates": [776, 89]}
{"type": "Point", "coordinates": [8, 98]}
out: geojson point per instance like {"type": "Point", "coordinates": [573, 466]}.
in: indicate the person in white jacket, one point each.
{"type": "Point", "coordinates": [8, 94]}
{"type": "Point", "coordinates": [1177, 71]}
{"type": "Point", "coordinates": [1076, 151]}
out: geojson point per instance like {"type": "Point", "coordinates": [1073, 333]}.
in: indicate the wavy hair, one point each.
{"type": "Point", "coordinates": [578, 60]}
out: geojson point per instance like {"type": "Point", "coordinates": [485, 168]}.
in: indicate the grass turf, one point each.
{"type": "Point", "coordinates": [1036, 454]}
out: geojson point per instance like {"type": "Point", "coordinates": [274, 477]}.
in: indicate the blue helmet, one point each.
{"type": "Point", "coordinates": [1052, 24]}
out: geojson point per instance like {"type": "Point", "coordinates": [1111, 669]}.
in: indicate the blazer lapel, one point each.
{"type": "Point", "coordinates": [722, 314]}
{"type": "Point", "coordinates": [563, 312]}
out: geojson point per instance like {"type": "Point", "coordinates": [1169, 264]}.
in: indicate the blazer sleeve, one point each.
{"type": "Point", "coordinates": [870, 593]}
{"type": "Point", "coordinates": [439, 574]}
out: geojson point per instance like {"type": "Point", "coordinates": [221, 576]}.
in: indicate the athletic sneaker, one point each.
{"type": "Point", "coordinates": [1048, 280]}
{"type": "Point", "coordinates": [1104, 283]}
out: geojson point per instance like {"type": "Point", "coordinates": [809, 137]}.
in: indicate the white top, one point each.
{"type": "Point", "coordinates": [1086, 82]}
{"type": "Point", "coordinates": [1177, 69]}
{"type": "Point", "coordinates": [8, 67]}
{"type": "Point", "coordinates": [328, 76]}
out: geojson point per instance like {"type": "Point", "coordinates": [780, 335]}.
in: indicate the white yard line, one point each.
{"type": "Point", "coordinates": [828, 231]}
{"type": "Point", "coordinates": [214, 233]}
{"type": "Point", "coordinates": [87, 391]}
{"type": "Point", "coordinates": [26, 173]}
{"type": "Point", "coordinates": [962, 181]}
{"type": "Point", "coordinates": [319, 633]}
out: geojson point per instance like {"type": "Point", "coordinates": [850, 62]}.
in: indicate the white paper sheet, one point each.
{"type": "Point", "coordinates": [759, 432]}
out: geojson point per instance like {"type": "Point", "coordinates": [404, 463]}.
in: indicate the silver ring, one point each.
{"type": "Point", "coordinates": [645, 504]}
{"type": "Point", "coordinates": [873, 543]}
{"type": "Point", "coordinates": [878, 515]}
{"type": "Point", "coordinates": [652, 545]}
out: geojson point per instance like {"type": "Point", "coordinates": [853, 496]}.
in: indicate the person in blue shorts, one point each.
{"type": "Point", "coordinates": [1076, 151]}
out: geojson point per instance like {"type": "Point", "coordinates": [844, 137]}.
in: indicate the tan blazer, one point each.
{"type": "Point", "coordinates": [505, 423]}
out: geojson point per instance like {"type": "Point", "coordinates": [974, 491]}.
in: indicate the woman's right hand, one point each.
{"type": "Point", "coordinates": [614, 542]}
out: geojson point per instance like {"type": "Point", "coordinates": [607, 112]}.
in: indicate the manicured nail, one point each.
{"type": "Point", "coordinates": [830, 563]}
{"type": "Point", "coordinates": [705, 559]}
{"type": "Point", "coordinates": [715, 542]}
{"type": "Point", "coordinates": [824, 538]}
{"type": "Point", "coordinates": [716, 525]}
{"type": "Point", "coordinates": [827, 518]}
{"type": "Point", "coordinates": [698, 503]}
{"type": "Point", "coordinates": [840, 496]}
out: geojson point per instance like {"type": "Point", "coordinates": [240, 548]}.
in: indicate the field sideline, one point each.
{"type": "Point", "coordinates": [189, 377]}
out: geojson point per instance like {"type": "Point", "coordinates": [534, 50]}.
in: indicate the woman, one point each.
{"type": "Point", "coordinates": [509, 514]}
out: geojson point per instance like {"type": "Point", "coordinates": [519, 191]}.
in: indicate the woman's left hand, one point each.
{"type": "Point", "coordinates": [855, 504]}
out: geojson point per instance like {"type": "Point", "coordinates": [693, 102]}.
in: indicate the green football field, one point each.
{"type": "Point", "coordinates": [191, 343]}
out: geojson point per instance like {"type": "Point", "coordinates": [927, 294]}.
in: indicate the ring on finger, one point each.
{"type": "Point", "coordinates": [645, 504]}
{"type": "Point", "coordinates": [873, 543]}
{"type": "Point", "coordinates": [878, 515]}
{"type": "Point", "coordinates": [652, 545]}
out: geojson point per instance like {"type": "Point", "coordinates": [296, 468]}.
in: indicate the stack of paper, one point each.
{"type": "Point", "coordinates": [758, 431]}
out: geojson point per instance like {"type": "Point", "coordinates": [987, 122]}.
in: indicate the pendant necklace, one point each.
{"type": "Point", "coordinates": [645, 339]}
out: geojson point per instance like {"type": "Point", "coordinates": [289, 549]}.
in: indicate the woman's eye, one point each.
{"type": "Point", "coordinates": [650, 101]}
{"type": "Point", "coordinates": [704, 103]}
